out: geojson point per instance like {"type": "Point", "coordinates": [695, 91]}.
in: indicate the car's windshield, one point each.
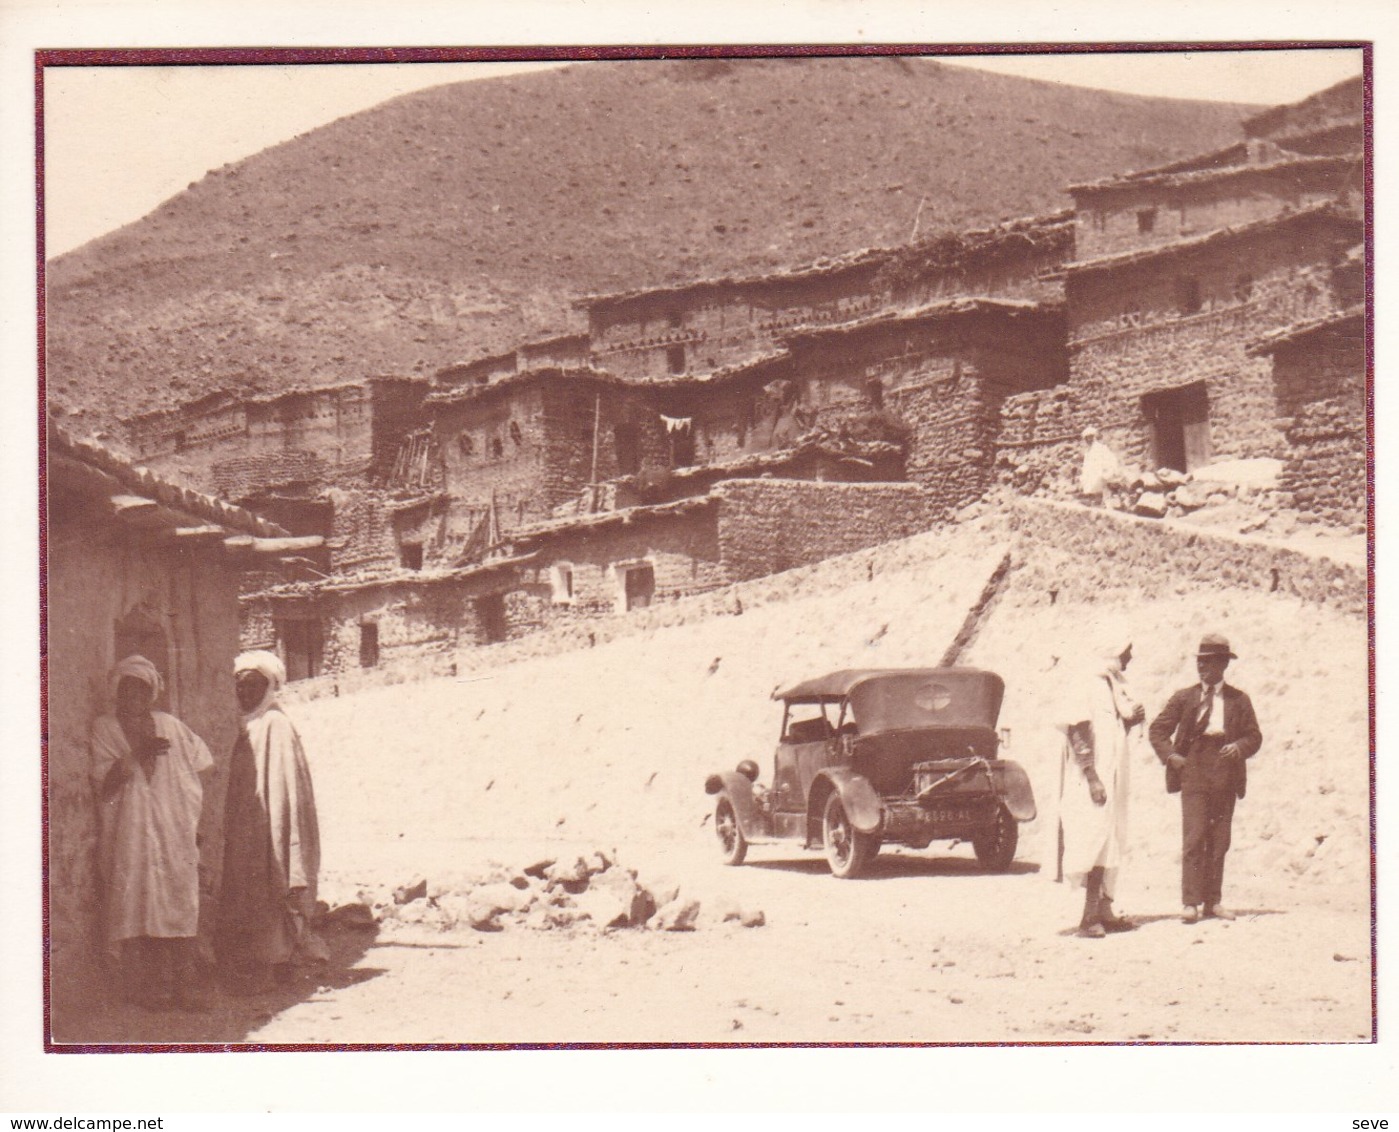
{"type": "Point", "coordinates": [809, 723]}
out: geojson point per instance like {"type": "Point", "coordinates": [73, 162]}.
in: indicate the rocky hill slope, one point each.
{"type": "Point", "coordinates": [451, 222]}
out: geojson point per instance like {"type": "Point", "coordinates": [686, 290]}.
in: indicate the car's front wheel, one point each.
{"type": "Point", "coordinates": [732, 844]}
{"type": "Point", "coordinates": [847, 849]}
{"type": "Point", "coordinates": [995, 845]}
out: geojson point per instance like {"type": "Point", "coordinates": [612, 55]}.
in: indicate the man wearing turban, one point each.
{"type": "Point", "coordinates": [272, 847]}
{"type": "Point", "coordinates": [1097, 717]}
{"type": "Point", "coordinates": [147, 768]}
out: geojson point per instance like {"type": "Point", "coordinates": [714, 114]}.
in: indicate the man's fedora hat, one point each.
{"type": "Point", "coordinates": [1212, 644]}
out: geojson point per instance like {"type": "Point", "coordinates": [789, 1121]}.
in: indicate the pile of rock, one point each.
{"type": "Point", "coordinates": [551, 894]}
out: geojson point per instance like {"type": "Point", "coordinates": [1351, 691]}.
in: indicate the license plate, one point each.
{"type": "Point", "coordinates": [952, 817]}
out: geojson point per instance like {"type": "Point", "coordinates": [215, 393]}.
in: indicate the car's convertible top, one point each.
{"type": "Point", "coordinates": [898, 699]}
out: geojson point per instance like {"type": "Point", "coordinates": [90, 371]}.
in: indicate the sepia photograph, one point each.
{"type": "Point", "coordinates": [707, 546]}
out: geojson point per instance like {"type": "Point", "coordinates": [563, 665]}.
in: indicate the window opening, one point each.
{"type": "Point", "coordinates": [1146, 220]}
{"type": "Point", "coordinates": [1188, 294]}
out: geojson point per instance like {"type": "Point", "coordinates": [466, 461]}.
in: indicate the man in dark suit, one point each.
{"type": "Point", "coordinates": [1203, 735]}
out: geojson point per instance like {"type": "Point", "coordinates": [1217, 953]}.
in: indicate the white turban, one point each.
{"type": "Point", "coordinates": [139, 667]}
{"type": "Point", "coordinates": [271, 666]}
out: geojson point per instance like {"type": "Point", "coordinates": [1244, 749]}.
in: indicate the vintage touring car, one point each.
{"type": "Point", "coordinates": [874, 756]}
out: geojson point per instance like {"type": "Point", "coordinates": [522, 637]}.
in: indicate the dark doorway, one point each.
{"type": "Point", "coordinates": [410, 554]}
{"type": "Point", "coordinates": [639, 586]}
{"type": "Point", "coordinates": [682, 445]}
{"type": "Point", "coordinates": [628, 449]}
{"type": "Point", "coordinates": [140, 634]}
{"type": "Point", "coordinates": [1179, 424]}
{"type": "Point", "coordinates": [368, 644]}
{"type": "Point", "coordinates": [302, 646]}
{"type": "Point", "coordinates": [490, 615]}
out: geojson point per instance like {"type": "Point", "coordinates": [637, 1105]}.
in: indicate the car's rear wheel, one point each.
{"type": "Point", "coordinates": [847, 849]}
{"type": "Point", "coordinates": [732, 844]}
{"type": "Point", "coordinates": [995, 845]}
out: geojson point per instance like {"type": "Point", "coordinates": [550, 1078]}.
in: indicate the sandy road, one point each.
{"type": "Point", "coordinates": [928, 949]}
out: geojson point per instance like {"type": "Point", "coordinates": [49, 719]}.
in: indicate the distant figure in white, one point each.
{"type": "Point", "coordinates": [272, 845]}
{"type": "Point", "coordinates": [1097, 717]}
{"type": "Point", "coordinates": [1102, 473]}
{"type": "Point", "coordinates": [148, 768]}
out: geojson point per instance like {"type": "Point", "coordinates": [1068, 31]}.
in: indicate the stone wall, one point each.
{"type": "Point", "coordinates": [308, 438]}
{"type": "Point", "coordinates": [494, 446]}
{"type": "Point", "coordinates": [1038, 447]}
{"type": "Point", "coordinates": [1130, 336]}
{"type": "Point", "coordinates": [1082, 553]}
{"type": "Point", "coordinates": [770, 525]}
{"type": "Point", "coordinates": [681, 549]}
{"type": "Point", "coordinates": [100, 576]}
{"type": "Point", "coordinates": [1325, 472]}
{"type": "Point", "coordinates": [363, 529]}
{"type": "Point", "coordinates": [1126, 216]}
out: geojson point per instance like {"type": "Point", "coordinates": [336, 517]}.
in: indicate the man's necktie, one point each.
{"type": "Point", "coordinates": [1206, 707]}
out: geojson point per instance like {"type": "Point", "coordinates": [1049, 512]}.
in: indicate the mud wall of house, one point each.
{"type": "Point", "coordinates": [310, 438]}
{"type": "Point", "coordinates": [1149, 559]}
{"type": "Point", "coordinates": [363, 534]}
{"type": "Point", "coordinates": [708, 329]}
{"type": "Point", "coordinates": [769, 525]}
{"type": "Point", "coordinates": [1325, 471]}
{"type": "Point", "coordinates": [100, 576]}
{"type": "Point", "coordinates": [598, 429]}
{"type": "Point", "coordinates": [1009, 268]}
{"type": "Point", "coordinates": [1128, 218]}
{"type": "Point", "coordinates": [1322, 365]}
{"type": "Point", "coordinates": [1038, 446]}
{"type": "Point", "coordinates": [396, 409]}
{"type": "Point", "coordinates": [407, 621]}
{"type": "Point", "coordinates": [198, 425]}
{"type": "Point", "coordinates": [497, 446]}
{"type": "Point", "coordinates": [682, 551]}
{"type": "Point", "coordinates": [1132, 334]}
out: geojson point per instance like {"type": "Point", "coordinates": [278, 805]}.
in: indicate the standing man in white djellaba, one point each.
{"type": "Point", "coordinates": [1097, 718]}
{"type": "Point", "coordinates": [272, 843]}
{"type": "Point", "coordinates": [147, 768]}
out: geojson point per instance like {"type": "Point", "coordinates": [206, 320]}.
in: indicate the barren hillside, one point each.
{"type": "Point", "coordinates": [451, 222]}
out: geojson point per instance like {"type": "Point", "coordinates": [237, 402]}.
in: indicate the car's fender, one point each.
{"type": "Point", "coordinates": [1013, 785]}
{"type": "Point", "coordinates": [861, 800]}
{"type": "Point", "coordinates": [752, 820]}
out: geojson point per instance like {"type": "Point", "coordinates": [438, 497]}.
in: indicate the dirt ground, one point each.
{"type": "Point", "coordinates": [607, 748]}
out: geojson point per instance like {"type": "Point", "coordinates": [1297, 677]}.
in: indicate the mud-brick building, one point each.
{"type": "Point", "coordinates": [935, 377]}
{"type": "Point", "coordinates": [293, 456]}
{"type": "Point", "coordinates": [135, 563]}
{"type": "Point", "coordinates": [1319, 371]}
{"type": "Point", "coordinates": [1158, 338]}
{"type": "Point", "coordinates": [715, 324]}
{"type": "Point", "coordinates": [1177, 271]}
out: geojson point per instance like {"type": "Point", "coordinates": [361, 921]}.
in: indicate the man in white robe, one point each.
{"type": "Point", "coordinates": [1097, 717]}
{"type": "Point", "coordinates": [147, 768]}
{"type": "Point", "coordinates": [272, 847]}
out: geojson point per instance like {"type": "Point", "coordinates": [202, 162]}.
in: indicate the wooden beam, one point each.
{"type": "Point", "coordinates": [205, 532]}
{"type": "Point", "coordinates": [273, 546]}
{"type": "Point", "coordinates": [132, 506]}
